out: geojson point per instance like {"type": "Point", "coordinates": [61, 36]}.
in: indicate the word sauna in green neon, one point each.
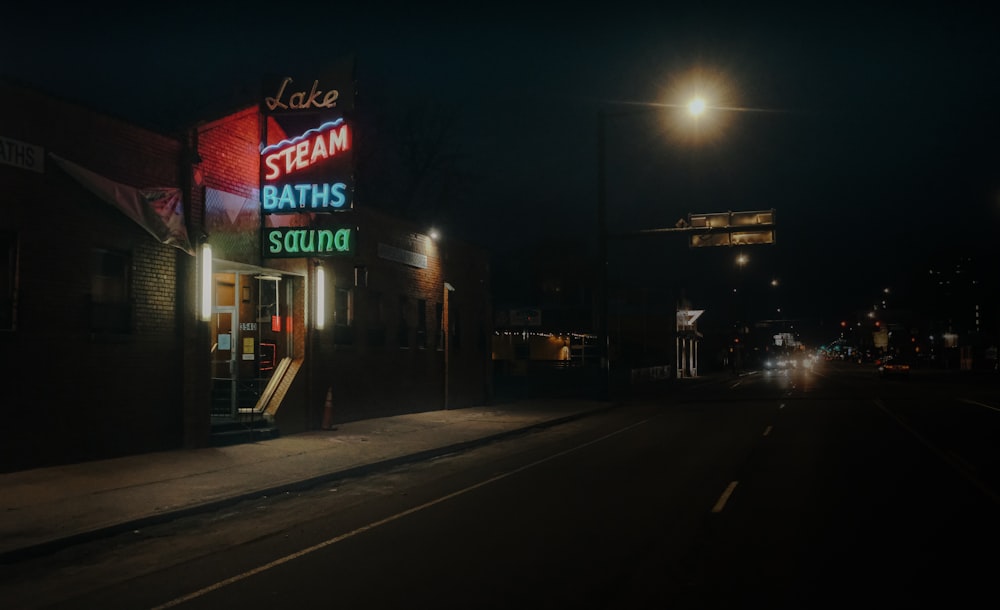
{"type": "Point", "coordinates": [294, 242]}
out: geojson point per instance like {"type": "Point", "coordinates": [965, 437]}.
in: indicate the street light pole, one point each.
{"type": "Point", "coordinates": [602, 256]}
{"type": "Point", "coordinates": [695, 108]}
{"type": "Point", "coordinates": [604, 340]}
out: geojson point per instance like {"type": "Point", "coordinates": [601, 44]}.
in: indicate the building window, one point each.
{"type": "Point", "coordinates": [110, 303]}
{"type": "Point", "coordinates": [402, 325]}
{"type": "Point", "coordinates": [376, 321]}
{"type": "Point", "coordinates": [8, 275]}
{"type": "Point", "coordinates": [422, 323]}
{"type": "Point", "coordinates": [343, 316]}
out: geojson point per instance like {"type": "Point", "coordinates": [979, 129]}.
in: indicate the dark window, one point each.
{"type": "Point", "coordinates": [8, 277]}
{"type": "Point", "coordinates": [421, 323]}
{"type": "Point", "coordinates": [375, 321]}
{"type": "Point", "coordinates": [402, 325]}
{"type": "Point", "coordinates": [110, 303]}
{"type": "Point", "coordinates": [343, 316]}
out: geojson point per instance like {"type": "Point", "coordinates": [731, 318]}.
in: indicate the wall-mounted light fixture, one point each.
{"type": "Point", "coordinates": [320, 297]}
{"type": "Point", "coordinates": [205, 310]}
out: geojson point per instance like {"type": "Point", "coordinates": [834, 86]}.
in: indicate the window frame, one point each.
{"type": "Point", "coordinates": [110, 302]}
{"type": "Point", "coordinates": [8, 303]}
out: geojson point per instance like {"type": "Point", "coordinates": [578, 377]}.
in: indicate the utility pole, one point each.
{"type": "Point", "coordinates": [602, 232]}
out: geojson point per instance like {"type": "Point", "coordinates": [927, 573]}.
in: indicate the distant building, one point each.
{"type": "Point", "coordinates": [544, 310]}
{"type": "Point", "coordinates": [959, 296]}
{"type": "Point", "coordinates": [545, 325]}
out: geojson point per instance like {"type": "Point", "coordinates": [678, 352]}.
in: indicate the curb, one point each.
{"type": "Point", "coordinates": [58, 544]}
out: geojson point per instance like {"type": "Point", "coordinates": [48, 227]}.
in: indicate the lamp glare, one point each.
{"type": "Point", "coordinates": [696, 107]}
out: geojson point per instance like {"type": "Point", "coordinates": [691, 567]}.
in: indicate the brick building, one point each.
{"type": "Point", "coordinates": [111, 347]}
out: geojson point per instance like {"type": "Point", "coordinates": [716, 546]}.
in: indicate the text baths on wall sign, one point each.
{"type": "Point", "coordinates": [23, 155]}
{"type": "Point", "coordinates": [290, 198]}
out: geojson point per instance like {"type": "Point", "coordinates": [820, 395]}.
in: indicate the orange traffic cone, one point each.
{"type": "Point", "coordinates": [328, 410]}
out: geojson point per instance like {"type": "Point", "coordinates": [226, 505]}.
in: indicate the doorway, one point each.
{"type": "Point", "coordinates": [250, 336]}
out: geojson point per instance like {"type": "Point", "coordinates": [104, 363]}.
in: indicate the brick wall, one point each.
{"type": "Point", "coordinates": [84, 395]}
{"type": "Point", "coordinates": [230, 153]}
{"type": "Point", "coordinates": [383, 378]}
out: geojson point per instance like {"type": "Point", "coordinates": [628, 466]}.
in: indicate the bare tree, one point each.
{"type": "Point", "coordinates": [410, 160]}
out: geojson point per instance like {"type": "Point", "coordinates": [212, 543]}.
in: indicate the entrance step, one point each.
{"type": "Point", "coordinates": [233, 431]}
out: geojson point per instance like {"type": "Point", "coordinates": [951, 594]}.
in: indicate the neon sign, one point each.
{"type": "Point", "coordinates": [302, 100]}
{"type": "Point", "coordinates": [294, 242]}
{"type": "Point", "coordinates": [303, 197]}
{"type": "Point", "coordinates": [307, 175]}
{"type": "Point", "coordinates": [316, 145]}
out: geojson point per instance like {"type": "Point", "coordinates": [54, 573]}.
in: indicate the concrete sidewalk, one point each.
{"type": "Point", "coordinates": [45, 509]}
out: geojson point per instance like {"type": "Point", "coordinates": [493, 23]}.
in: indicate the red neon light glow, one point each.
{"type": "Point", "coordinates": [314, 146]}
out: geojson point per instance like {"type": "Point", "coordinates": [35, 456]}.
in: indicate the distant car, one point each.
{"type": "Point", "coordinates": [893, 366]}
{"type": "Point", "coordinates": [778, 362]}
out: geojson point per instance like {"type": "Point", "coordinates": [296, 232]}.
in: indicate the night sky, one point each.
{"type": "Point", "coordinates": [872, 131]}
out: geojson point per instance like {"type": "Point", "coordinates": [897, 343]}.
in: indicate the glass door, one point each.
{"type": "Point", "coordinates": [251, 335]}
{"type": "Point", "coordinates": [225, 336]}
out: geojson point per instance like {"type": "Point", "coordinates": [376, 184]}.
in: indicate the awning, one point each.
{"type": "Point", "coordinates": [158, 210]}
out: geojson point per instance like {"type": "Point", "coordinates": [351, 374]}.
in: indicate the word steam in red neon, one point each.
{"type": "Point", "coordinates": [314, 146]}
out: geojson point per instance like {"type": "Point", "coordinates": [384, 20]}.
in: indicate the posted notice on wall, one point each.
{"type": "Point", "coordinates": [249, 353]}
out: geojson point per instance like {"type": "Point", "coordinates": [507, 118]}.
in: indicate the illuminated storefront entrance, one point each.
{"type": "Point", "coordinates": [251, 335]}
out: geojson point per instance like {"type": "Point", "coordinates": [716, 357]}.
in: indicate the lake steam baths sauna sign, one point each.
{"type": "Point", "coordinates": [307, 177]}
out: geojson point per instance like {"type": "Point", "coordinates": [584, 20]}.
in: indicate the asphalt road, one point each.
{"type": "Point", "coordinates": [824, 488]}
